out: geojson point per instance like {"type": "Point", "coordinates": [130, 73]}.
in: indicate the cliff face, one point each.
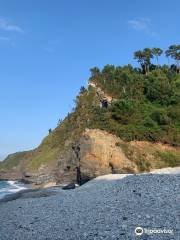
{"type": "Point", "coordinates": [95, 153]}
{"type": "Point", "coordinates": [100, 154]}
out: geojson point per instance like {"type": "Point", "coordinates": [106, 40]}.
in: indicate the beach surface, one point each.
{"type": "Point", "coordinates": [107, 207]}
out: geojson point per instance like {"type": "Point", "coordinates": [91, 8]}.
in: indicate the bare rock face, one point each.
{"type": "Point", "coordinates": [100, 154]}
{"type": "Point", "coordinates": [44, 175]}
{"type": "Point", "coordinates": [66, 169]}
{"type": "Point", "coordinates": [101, 94]}
{"type": "Point", "coordinates": [96, 153]}
{"type": "Point", "coordinates": [10, 175]}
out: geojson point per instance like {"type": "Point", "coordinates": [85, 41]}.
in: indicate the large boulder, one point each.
{"type": "Point", "coordinates": [100, 154]}
{"type": "Point", "coordinates": [95, 153]}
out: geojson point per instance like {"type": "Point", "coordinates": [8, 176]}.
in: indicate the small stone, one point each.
{"type": "Point", "coordinates": [124, 226]}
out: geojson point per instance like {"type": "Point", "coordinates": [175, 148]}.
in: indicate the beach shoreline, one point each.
{"type": "Point", "coordinates": [33, 191]}
{"type": "Point", "coordinates": [30, 191]}
{"type": "Point", "coordinates": [107, 207]}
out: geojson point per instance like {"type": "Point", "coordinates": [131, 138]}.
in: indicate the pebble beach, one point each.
{"type": "Point", "coordinates": [108, 207]}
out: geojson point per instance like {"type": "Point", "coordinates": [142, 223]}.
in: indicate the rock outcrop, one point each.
{"type": "Point", "coordinates": [95, 153]}
{"type": "Point", "coordinates": [100, 154]}
{"type": "Point", "coordinates": [104, 98]}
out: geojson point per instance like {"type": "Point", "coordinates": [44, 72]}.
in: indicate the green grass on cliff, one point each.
{"type": "Point", "coordinates": [145, 107]}
{"type": "Point", "coordinates": [13, 160]}
{"type": "Point", "coordinates": [171, 159]}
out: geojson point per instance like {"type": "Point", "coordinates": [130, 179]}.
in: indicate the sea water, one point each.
{"type": "Point", "coordinates": [9, 187]}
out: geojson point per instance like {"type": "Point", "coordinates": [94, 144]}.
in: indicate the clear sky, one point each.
{"type": "Point", "coordinates": [48, 46]}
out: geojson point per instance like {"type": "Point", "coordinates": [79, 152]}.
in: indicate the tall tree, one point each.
{"type": "Point", "coordinates": [144, 58]}
{"type": "Point", "coordinates": [174, 52]}
{"type": "Point", "coordinates": [108, 73]}
{"type": "Point", "coordinates": [94, 72]}
{"type": "Point", "coordinates": [139, 55]}
{"type": "Point", "coordinates": [157, 52]}
{"type": "Point", "coordinates": [177, 57]}
{"type": "Point", "coordinates": [148, 55]}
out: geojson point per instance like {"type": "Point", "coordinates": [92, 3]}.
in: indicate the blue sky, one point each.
{"type": "Point", "coordinates": [47, 48]}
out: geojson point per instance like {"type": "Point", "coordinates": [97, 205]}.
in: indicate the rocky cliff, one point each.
{"type": "Point", "coordinates": [95, 153]}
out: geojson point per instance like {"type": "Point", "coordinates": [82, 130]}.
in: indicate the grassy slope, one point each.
{"type": "Point", "coordinates": [13, 160]}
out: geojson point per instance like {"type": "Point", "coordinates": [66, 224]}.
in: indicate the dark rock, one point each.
{"type": "Point", "coordinates": [69, 186]}
{"type": "Point", "coordinates": [85, 179]}
{"type": "Point", "coordinates": [26, 181]}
